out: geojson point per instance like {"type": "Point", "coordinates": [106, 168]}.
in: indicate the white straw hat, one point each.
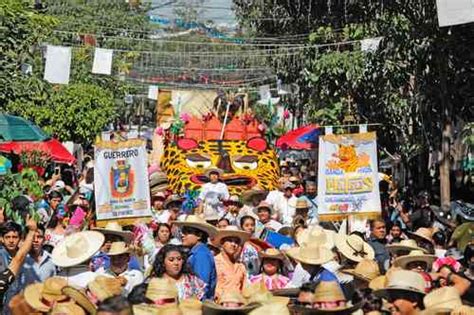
{"type": "Point", "coordinates": [76, 248]}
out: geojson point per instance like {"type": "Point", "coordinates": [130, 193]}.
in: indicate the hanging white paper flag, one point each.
{"type": "Point", "coordinates": [264, 92]}
{"type": "Point", "coordinates": [363, 128]}
{"type": "Point", "coordinates": [153, 92]}
{"type": "Point", "coordinates": [102, 61]}
{"type": "Point", "coordinates": [58, 64]}
{"type": "Point", "coordinates": [370, 44]}
{"type": "Point", "coordinates": [328, 130]}
{"type": "Point", "coordinates": [454, 12]}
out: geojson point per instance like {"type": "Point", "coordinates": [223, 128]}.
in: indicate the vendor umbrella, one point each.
{"type": "Point", "coordinates": [53, 147]}
{"type": "Point", "coordinates": [303, 138]}
{"type": "Point", "coordinates": [14, 128]}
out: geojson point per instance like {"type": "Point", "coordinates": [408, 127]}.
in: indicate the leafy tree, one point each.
{"type": "Point", "coordinates": [417, 84]}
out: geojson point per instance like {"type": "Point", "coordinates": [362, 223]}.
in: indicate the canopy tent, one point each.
{"type": "Point", "coordinates": [14, 128]}
{"type": "Point", "coordinates": [53, 147]}
{"type": "Point", "coordinates": [303, 138]}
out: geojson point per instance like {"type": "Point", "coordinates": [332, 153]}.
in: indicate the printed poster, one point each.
{"type": "Point", "coordinates": [348, 176]}
{"type": "Point", "coordinates": [121, 180]}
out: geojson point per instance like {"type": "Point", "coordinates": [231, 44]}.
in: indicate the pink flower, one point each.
{"type": "Point", "coordinates": [446, 261]}
{"type": "Point", "coordinates": [262, 127]}
{"type": "Point", "coordinates": [159, 131]}
{"type": "Point", "coordinates": [286, 114]}
{"type": "Point", "coordinates": [185, 117]}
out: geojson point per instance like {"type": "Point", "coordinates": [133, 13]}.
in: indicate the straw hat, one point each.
{"type": "Point", "coordinates": [414, 255]}
{"type": "Point", "coordinates": [354, 248]}
{"type": "Point", "coordinates": [380, 282]}
{"type": "Point", "coordinates": [119, 248]}
{"type": "Point", "coordinates": [403, 281]}
{"type": "Point", "coordinates": [67, 308]}
{"type": "Point", "coordinates": [316, 234]}
{"type": "Point", "coordinates": [311, 254]}
{"type": "Point", "coordinates": [328, 291]}
{"type": "Point", "coordinates": [199, 223]}
{"type": "Point", "coordinates": [294, 179]}
{"type": "Point", "coordinates": [264, 205]}
{"type": "Point", "coordinates": [213, 170]}
{"type": "Point", "coordinates": [145, 309]}
{"type": "Point", "coordinates": [404, 245]}
{"type": "Point", "coordinates": [231, 231]}
{"type": "Point", "coordinates": [274, 309]}
{"type": "Point", "coordinates": [104, 287]}
{"type": "Point", "coordinates": [300, 203]}
{"type": "Point", "coordinates": [171, 199]}
{"type": "Point", "coordinates": [76, 248]}
{"type": "Point", "coordinates": [272, 253]}
{"type": "Point", "coordinates": [258, 293]}
{"type": "Point", "coordinates": [81, 299]}
{"type": "Point", "coordinates": [424, 234]}
{"type": "Point", "coordinates": [191, 306]}
{"type": "Point", "coordinates": [366, 270]}
{"type": "Point", "coordinates": [50, 292]}
{"type": "Point", "coordinates": [442, 300]}
{"type": "Point", "coordinates": [114, 228]}
{"type": "Point", "coordinates": [255, 191]}
{"type": "Point", "coordinates": [161, 288]}
{"type": "Point", "coordinates": [229, 297]}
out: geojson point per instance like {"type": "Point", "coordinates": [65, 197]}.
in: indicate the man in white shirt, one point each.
{"type": "Point", "coordinates": [283, 203]}
{"type": "Point", "coordinates": [213, 194]}
{"type": "Point", "coordinates": [119, 257]}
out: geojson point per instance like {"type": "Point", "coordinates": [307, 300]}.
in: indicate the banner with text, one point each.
{"type": "Point", "coordinates": [121, 180]}
{"type": "Point", "coordinates": [348, 176]}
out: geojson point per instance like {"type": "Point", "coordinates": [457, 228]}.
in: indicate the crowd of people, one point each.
{"type": "Point", "coordinates": [261, 252]}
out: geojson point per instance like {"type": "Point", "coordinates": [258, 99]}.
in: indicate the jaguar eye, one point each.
{"type": "Point", "coordinates": [198, 161]}
{"type": "Point", "coordinates": [246, 162]}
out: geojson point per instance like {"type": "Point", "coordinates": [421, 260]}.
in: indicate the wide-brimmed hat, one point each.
{"type": "Point", "coordinates": [199, 223]}
{"type": "Point", "coordinates": [191, 306]}
{"type": "Point", "coordinates": [255, 191]}
{"type": "Point", "coordinates": [211, 170]}
{"type": "Point", "coordinates": [311, 254]}
{"type": "Point", "coordinates": [331, 291]}
{"type": "Point", "coordinates": [354, 248]}
{"type": "Point", "coordinates": [234, 199]}
{"type": "Point", "coordinates": [403, 281]}
{"type": "Point", "coordinates": [145, 309]}
{"type": "Point", "coordinates": [229, 297]}
{"type": "Point", "coordinates": [273, 309]}
{"type": "Point", "coordinates": [119, 248]}
{"type": "Point", "coordinates": [300, 203]}
{"type": "Point", "coordinates": [161, 288]}
{"type": "Point", "coordinates": [41, 296]}
{"type": "Point", "coordinates": [76, 248]}
{"type": "Point", "coordinates": [231, 231]}
{"type": "Point", "coordinates": [366, 270]}
{"type": "Point", "coordinates": [258, 293]}
{"type": "Point", "coordinates": [104, 287]}
{"type": "Point", "coordinates": [158, 182]}
{"type": "Point", "coordinates": [316, 234]}
{"type": "Point", "coordinates": [67, 308]}
{"type": "Point", "coordinates": [114, 228]}
{"type": "Point", "coordinates": [264, 205]}
{"type": "Point", "coordinates": [422, 234]}
{"type": "Point", "coordinates": [442, 300]}
{"type": "Point", "coordinates": [272, 253]}
{"type": "Point", "coordinates": [80, 297]}
{"type": "Point", "coordinates": [414, 255]}
{"type": "Point", "coordinates": [404, 245]}
{"type": "Point", "coordinates": [172, 199]}
{"type": "Point", "coordinates": [288, 185]}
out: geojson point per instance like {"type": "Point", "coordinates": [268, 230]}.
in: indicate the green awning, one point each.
{"type": "Point", "coordinates": [14, 128]}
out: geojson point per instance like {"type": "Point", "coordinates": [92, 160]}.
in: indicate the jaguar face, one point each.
{"type": "Point", "coordinates": [245, 164]}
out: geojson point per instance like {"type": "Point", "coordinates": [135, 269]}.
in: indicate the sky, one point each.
{"type": "Point", "coordinates": [219, 11]}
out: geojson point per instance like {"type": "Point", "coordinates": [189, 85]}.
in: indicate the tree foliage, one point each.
{"type": "Point", "coordinates": [79, 111]}
{"type": "Point", "coordinates": [418, 79]}
{"type": "Point", "coordinates": [76, 111]}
